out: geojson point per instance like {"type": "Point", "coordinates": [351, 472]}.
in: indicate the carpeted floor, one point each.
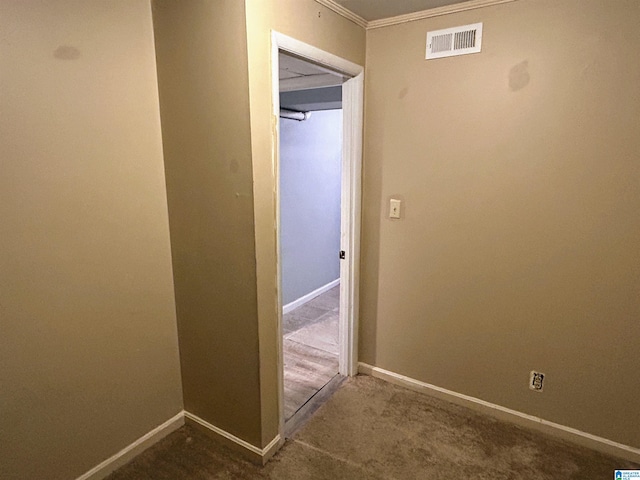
{"type": "Point", "coordinates": [373, 430]}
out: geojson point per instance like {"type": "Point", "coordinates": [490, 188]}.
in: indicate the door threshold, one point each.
{"type": "Point", "coordinates": [305, 412]}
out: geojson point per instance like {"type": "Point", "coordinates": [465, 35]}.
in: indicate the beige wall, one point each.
{"type": "Point", "coordinates": [88, 343]}
{"type": "Point", "coordinates": [518, 246]}
{"type": "Point", "coordinates": [311, 23]}
{"type": "Point", "coordinates": [204, 102]}
{"type": "Point", "coordinates": [517, 249]}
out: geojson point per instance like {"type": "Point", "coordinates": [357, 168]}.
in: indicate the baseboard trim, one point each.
{"type": "Point", "coordinates": [585, 439]}
{"type": "Point", "coordinates": [103, 469]}
{"type": "Point", "coordinates": [272, 447]}
{"type": "Point", "coordinates": [258, 455]}
{"type": "Point", "coordinates": [309, 296]}
{"type": "Point", "coordinates": [114, 462]}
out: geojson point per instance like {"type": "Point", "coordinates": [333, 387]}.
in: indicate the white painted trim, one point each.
{"type": "Point", "coordinates": [351, 206]}
{"type": "Point", "coordinates": [129, 452]}
{"type": "Point", "coordinates": [435, 12]}
{"type": "Point", "coordinates": [309, 296]}
{"type": "Point", "coordinates": [568, 433]}
{"type": "Point", "coordinates": [261, 452]}
{"type": "Point", "coordinates": [275, 122]}
{"type": "Point", "coordinates": [409, 17]}
{"type": "Point", "coordinates": [272, 447]}
{"type": "Point", "coordinates": [352, 110]}
{"type": "Point", "coordinates": [313, 54]}
{"type": "Point", "coordinates": [343, 12]}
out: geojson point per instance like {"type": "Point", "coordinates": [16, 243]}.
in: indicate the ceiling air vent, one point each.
{"type": "Point", "coordinates": [454, 41]}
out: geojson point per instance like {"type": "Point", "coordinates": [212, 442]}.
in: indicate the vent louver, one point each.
{"type": "Point", "coordinates": [454, 41]}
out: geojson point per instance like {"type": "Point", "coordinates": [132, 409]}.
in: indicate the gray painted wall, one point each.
{"type": "Point", "coordinates": [310, 157]}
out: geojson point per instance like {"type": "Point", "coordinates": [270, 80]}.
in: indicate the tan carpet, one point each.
{"type": "Point", "coordinates": [373, 430]}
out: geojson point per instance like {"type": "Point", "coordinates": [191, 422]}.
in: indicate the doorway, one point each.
{"type": "Point", "coordinates": [348, 78]}
{"type": "Point", "coordinates": [310, 194]}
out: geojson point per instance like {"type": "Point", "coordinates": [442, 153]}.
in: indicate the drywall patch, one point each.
{"type": "Point", "coordinates": [66, 52]}
{"type": "Point", "coordinates": [519, 76]}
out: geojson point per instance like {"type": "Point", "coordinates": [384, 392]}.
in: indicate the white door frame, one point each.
{"type": "Point", "coordinates": [352, 114]}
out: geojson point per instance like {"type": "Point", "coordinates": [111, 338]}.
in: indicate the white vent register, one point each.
{"type": "Point", "coordinates": [450, 42]}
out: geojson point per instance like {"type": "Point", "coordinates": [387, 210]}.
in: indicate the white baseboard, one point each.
{"type": "Point", "coordinates": [555, 429]}
{"type": "Point", "coordinates": [259, 454]}
{"type": "Point", "coordinates": [309, 296]}
{"type": "Point", "coordinates": [125, 455]}
{"type": "Point", "coordinates": [128, 453]}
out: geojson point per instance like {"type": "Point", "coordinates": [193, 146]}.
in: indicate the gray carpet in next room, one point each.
{"type": "Point", "coordinates": [373, 430]}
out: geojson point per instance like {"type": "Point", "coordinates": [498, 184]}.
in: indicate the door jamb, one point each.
{"type": "Point", "coordinates": [350, 215]}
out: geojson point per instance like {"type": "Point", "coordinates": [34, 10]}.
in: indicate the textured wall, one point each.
{"type": "Point", "coordinates": [88, 343]}
{"type": "Point", "coordinates": [518, 246]}
{"type": "Point", "coordinates": [310, 166]}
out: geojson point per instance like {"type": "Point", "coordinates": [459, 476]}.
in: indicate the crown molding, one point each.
{"type": "Point", "coordinates": [434, 12]}
{"type": "Point", "coordinates": [409, 17]}
{"type": "Point", "coordinates": [340, 10]}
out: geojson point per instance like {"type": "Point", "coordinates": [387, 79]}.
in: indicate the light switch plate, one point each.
{"type": "Point", "coordinates": [394, 208]}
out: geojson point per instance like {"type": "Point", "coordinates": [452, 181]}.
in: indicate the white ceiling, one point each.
{"type": "Point", "coordinates": [378, 9]}
{"type": "Point", "coordinates": [298, 74]}
{"type": "Point", "coordinates": [305, 86]}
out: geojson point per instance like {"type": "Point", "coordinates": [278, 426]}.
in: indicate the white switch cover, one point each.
{"type": "Point", "coordinates": [394, 208]}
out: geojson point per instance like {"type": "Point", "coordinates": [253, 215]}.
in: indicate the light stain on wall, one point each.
{"type": "Point", "coordinates": [519, 76]}
{"type": "Point", "coordinates": [67, 52]}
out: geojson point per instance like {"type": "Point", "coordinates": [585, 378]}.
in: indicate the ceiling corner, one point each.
{"type": "Point", "coordinates": [344, 12]}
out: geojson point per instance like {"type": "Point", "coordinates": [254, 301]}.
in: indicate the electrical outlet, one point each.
{"type": "Point", "coordinates": [536, 381]}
